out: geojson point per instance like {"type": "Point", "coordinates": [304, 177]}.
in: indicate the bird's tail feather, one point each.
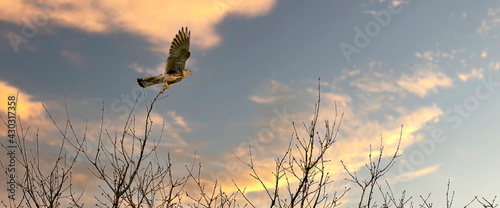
{"type": "Point", "coordinates": [148, 81]}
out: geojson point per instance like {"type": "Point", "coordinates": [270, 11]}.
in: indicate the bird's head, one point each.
{"type": "Point", "coordinates": [186, 72]}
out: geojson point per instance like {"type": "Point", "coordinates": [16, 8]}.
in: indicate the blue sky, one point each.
{"type": "Point", "coordinates": [431, 65]}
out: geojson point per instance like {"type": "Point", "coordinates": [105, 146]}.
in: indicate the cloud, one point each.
{"type": "Point", "coordinates": [474, 74]}
{"type": "Point", "coordinates": [175, 126]}
{"type": "Point", "coordinates": [424, 81]}
{"type": "Point", "coordinates": [33, 114]}
{"type": "Point", "coordinates": [376, 82]}
{"type": "Point", "coordinates": [360, 131]}
{"type": "Point", "coordinates": [31, 111]}
{"type": "Point", "coordinates": [262, 100]}
{"type": "Point", "coordinates": [72, 57]}
{"type": "Point", "coordinates": [377, 78]}
{"type": "Point", "coordinates": [271, 91]}
{"type": "Point", "coordinates": [152, 71]}
{"type": "Point", "coordinates": [346, 73]}
{"type": "Point", "coordinates": [490, 21]}
{"type": "Point", "coordinates": [376, 86]}
{"type": "Point", "coordinates": [494, 66]}
{"type": "Point", "coordinates": [157, 21]}
{"type": "Point", "coordinates": [360, 127]}
{"type": "Point", "coordinates": [433, 55]}
{"type": "Point", "coordinates": [396, 3]}
{"type": "Point", "coordinates": [178, 121]}
{"type": "Point", "coordinates": [484, 54]}
{"type": "Point", "coordinates": [414, 174]}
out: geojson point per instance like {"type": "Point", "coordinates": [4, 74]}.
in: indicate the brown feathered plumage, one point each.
{"type": "Point", "coordinates": [176, 63]}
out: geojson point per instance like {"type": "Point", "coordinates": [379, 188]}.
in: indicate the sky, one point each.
{"type": "Point", "coordinates": [431, 66]}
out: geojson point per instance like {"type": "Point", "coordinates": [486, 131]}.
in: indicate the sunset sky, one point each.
{"type": "Point", "coordinates": [432, 66]}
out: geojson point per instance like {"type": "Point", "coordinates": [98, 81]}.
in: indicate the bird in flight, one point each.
{"type": "Point", "coordinates": [176, 61]}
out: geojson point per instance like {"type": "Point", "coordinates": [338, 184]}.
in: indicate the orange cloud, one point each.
{"type": "Point", "coordinates": [30, 111]}
{"type": "Point", "coordinates": [157, 20]}
{"type": "Point", "coordinates": [424, 81]}
{"type": "Point", "coordinates": [358, 131]}
{"type": "Point", "coordinates": [474, 74]}
{"type": "Point", "coordinates": [414, 174]}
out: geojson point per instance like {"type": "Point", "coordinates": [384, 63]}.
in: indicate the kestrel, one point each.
{"type": "Point", "coordinates": [176, 61]}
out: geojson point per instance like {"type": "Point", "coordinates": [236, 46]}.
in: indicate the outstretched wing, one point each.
{"type": "Point", "coordinates": [179, 52]}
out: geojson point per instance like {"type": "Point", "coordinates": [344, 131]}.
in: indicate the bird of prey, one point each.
{"type": "Point", "coordinates": [176, 61]}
